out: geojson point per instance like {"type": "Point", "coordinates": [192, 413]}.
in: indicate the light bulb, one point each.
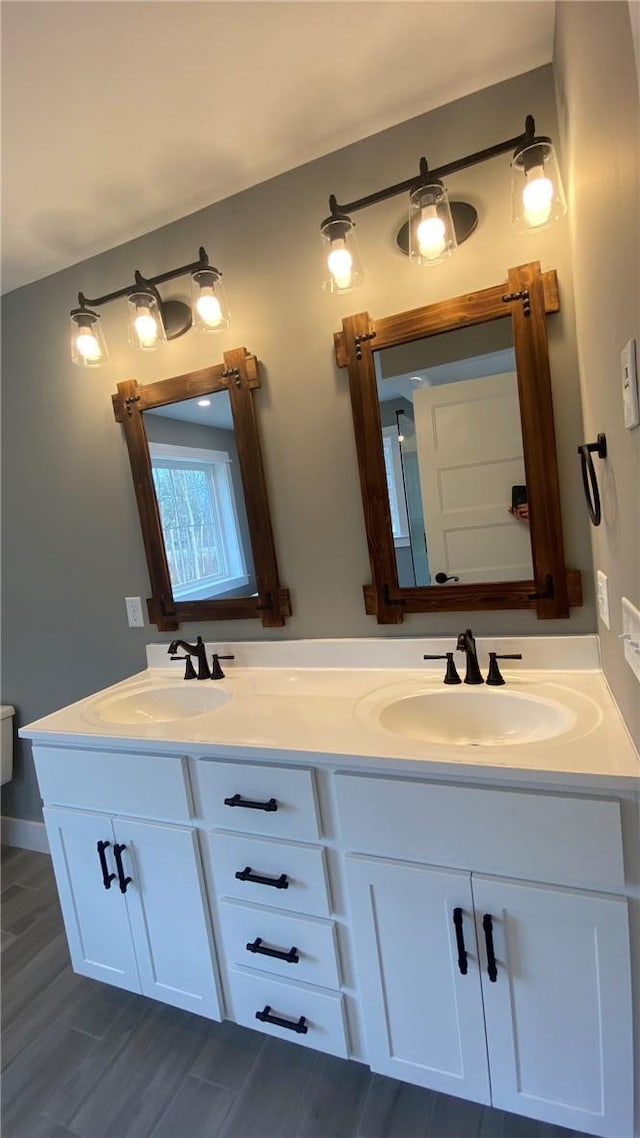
{"type": "Point", "coordinates": [431, 234]}
{"type": "Point", "coordinates": [146, 327]}
{"type": "Point", "coordinates": [209, 308]}
{"type": "Point", "coordinates": [537, 197]}
{"type": "Point", "coordinates": [340, 263]}
{"type": "Point", "coordinates": [87, 345]}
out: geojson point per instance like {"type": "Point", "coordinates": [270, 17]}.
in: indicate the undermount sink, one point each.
{"type": "Point", "coordinates": [160, 705]}
{"type": "Point", "coordinates": [476, 717]}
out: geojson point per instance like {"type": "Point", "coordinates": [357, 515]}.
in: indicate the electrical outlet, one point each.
{"type": "Point", "coordinates": [630, 386]}
{"type": "Point", "coordinates": [135, 615]}
{"type": "Point", "coordinates": [603, 598]}
{"type": "Point", "coordinates": [631, 636]}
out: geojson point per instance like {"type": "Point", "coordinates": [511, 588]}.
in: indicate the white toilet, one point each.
{"type": "Point", "coordinates": [6, 742]}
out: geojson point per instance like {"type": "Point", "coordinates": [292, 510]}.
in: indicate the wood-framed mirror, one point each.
{"type": "Point", "coordinates": [453, 420]}
{"type": "Point", "coordinates": [196, 461]}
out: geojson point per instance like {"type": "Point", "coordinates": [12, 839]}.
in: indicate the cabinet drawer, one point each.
{"type": "Point", "coordinates": [151, 786]}
{"type": "Point", "coordinates": [314, 960]}
{"type": "Point", "coordinates": [539, 837]}
{"type": "Point", "coordinates": [303, 867]}
{"type": "Point", "coordinates": [323, 1011]}
{"type": "Point", "coordinates": [289, 789]}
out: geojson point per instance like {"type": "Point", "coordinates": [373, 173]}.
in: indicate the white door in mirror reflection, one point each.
{"type": "Point", "coordinates": [469, 446]}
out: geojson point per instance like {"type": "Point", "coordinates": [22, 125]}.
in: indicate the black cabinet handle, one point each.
{"type": "Point", "coordinates": [122, 880]}
{"type": "Point", "coordinates": [299, 1025]}
{"type": "Point", "coordinates": [107, 877]}
{"type": "Point", "coordinates": [462, 952]}
{"type": "Point", "coordinates": [291, 956]}
{"type": "Point", "coordinates": [238, 800]}
{"type": "Point", "coordinates": [247, 874]}
{"type": "Point", "coordinates": [492, 968]}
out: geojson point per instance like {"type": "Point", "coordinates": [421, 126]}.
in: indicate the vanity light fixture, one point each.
{"type": "Point", "coordinates": [437, 226]}
{"type": "Point", "coordinates": [151, 320]}
{"type": "Point", "coordinates": [88, 347]}
{"type": "Point", "coordinates": [342, 256]}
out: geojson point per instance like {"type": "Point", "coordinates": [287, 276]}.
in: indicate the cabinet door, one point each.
{"type": "Point", "coordinates": [423, 1015]}
{"type": "Point", "coordinates": [95, 918]}
{"type": "Point", "coordinates": [558, 1013]}
{"type": "Point", "coordinates": [168, 914]}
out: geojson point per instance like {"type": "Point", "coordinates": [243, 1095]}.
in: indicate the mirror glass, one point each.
{"type": "Point", "coordinates": [453, 453]}
{"type": "Point", "coordinates": [198, 488]}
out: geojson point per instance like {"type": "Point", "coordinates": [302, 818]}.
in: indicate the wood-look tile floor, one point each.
{"type": "Point", "coordinates": [84, 1060]}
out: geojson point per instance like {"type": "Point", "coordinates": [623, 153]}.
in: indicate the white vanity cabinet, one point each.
{"type": "Point", "coordinates": [272, 900]}
{"type": "Point", "coordinates": [472, 939]}
{"type": "Point", "coordinates": [131, 889]}
{"type": "Point", "coordinates": [422, 1011]}
{"type": "Point", "coordinates": [447, 958]}
{"type": "Point", "coordinates": [558, 1015]}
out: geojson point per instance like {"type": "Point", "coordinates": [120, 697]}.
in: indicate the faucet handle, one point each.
{"type": "Point", "coordinates": [189, 671]}
{"type": "Point", "coordinates": [451, 674]}
{"type": "Point", "coordinates": [216, 670]}
{"type": "Point", "coordinates": [494, 675]}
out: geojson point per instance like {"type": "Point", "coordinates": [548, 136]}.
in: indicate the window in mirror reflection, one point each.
{"type": "Point", "coordinates": [452, 443]}
{"type": "Point", "coordinates": [198, 488]}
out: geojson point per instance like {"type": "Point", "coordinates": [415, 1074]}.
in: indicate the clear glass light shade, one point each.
{"type": "Point", "coordinates": [88, 346]}
{"type": "Point", "coordinates": [208, 301]}
{"type": "Point", "coordinates": [343, 270]}
{"type": "Point", "coordinates": [432, 236]}
{"type": "Point", "coordinates": [537, 194]}
{"type": "Point", "coordinates": [146, 330]}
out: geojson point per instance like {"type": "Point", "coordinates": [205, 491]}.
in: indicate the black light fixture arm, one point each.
{"type": "Point", "coordinates": [527, 138]}
{"type": "Point", "coordinates": [149, 282]}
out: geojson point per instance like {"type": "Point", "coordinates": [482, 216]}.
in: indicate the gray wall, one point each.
{"type": "Point", "coordinates": [600, 127]}
{"type": "Point", "coordinates": [72, 546]}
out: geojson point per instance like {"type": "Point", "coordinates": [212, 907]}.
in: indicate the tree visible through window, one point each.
{"type": "Point", "coordinates": [199, 520]}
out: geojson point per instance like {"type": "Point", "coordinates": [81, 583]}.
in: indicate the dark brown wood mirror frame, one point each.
{"type": "Point", "coordinates": [239, 375]}
{"type": "Point", "coordinates": [528, 296]}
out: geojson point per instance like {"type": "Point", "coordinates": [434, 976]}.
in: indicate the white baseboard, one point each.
{"type": "Point", "coordinates": [24, 834]}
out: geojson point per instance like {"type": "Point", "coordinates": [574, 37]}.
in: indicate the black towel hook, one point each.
{"type": "Point", "coordinates": [589, 477]}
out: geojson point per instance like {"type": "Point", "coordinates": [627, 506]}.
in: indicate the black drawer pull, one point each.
{"type": "Point", "coordinates": [492, 968]}
{"type": "Point", "coordinates": [291, 956]}
{"type": "Point", "coordinates": [238, 800]}
{"type": "Point", "coordinates": [462, 952]}
{"type": "Point", "coordinates": [122, 880]}
{"type": "Point", "coordinates": [107, 877]}
{"type": "Point", "coordinates": [292, 1025]}
{"type": "Point", "coordinates": [247, 874]}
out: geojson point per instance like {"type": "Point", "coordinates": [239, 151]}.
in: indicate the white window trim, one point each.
{"type": "Point", "coordinates": [225, 506]}
{"type": "Point", "coordinates": [188, 454]}
{"type": "Point", "coordinates": [401, 536]}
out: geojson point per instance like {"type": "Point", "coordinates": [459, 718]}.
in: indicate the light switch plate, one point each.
{"type": "Point", "coordinates": [631, 636]}
{"type": "Point", "coordinates": [603, 598]}
{"type": "Point", "coordinates": [630, 385]}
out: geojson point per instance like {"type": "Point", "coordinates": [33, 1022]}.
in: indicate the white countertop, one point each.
{"type": "Point", "coordinates": [329, 715]}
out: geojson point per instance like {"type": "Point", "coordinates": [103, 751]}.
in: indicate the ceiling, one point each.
{"type": "Point", "coordinates": [118, 117]}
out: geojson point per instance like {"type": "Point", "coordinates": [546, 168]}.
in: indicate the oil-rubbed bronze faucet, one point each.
{"type": "Point", "coordinates": [495, 678]}
{"type": "Point", "coordinates": [216, 670]}
{"type": "Point", "coordinates": [199, 651]}
{"type": "Point", "coordinates": [451, 676]}
{"type": "Point", "coordinates": [466, 643]}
